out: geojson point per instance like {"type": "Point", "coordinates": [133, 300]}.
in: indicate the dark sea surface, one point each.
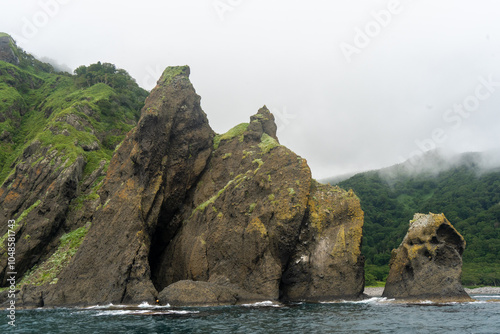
{"type": "Point", "coordinates": [374, 315]}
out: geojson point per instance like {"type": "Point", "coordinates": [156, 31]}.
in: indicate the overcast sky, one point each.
{"type": "Point", "coordinates": [354, 85]}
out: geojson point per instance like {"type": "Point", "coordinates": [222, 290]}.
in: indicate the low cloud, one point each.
{"type": "Point", "coordinates": [377, 109]}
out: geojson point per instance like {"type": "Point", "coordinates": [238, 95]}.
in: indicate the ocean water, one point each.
{"type": "Point", "coordinates": [375, 315]}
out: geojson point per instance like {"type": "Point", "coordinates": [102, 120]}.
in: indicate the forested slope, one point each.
{"type": "Point", "coordinates": [466, 192]}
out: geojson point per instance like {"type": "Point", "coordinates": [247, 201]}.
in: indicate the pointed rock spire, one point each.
{"type": "Point", "coordinates": [263, 122]}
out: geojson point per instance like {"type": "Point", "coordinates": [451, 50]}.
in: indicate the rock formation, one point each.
{"type": "Point", "coordinates": [329, 251]}
{"type": "Point", "coordinates": [6, 50]}
{"type": "Point", "coordinates": [182, 214]}
{"type": "Point", "coordinates": [37, 194]}
{"type": "Point", "coordinates": [200, 293]}
{"type": "Point", "coordinates": [147, 181]}
{"type": "Point", "coordinates": [428, 263]}
{"type": "Point", "coordinates": [248, 212]}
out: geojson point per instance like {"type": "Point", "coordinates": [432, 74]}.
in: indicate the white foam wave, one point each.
{"type": "Point", "coordinates": [266, 303]}
{"type": "Point", "coordinates": [110, 305]}
{"type": "Point", "coordinates": [142, 312]}
{"type": "Point", "coordinates": [143, 305]}
{"type": "Point", "coordinates": [427, 302]}
{"type": "Point", "coordinates": [149, 306]}
{"type": "Point", "coordinates": [120, 312]}
{"type": "Point", "coordinates": [372, 300]}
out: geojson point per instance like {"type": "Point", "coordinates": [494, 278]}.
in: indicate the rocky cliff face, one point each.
{"type": "Point", "coordinates": [37, 195]}
{"type": "Point", "coordinates": [246, 213]}
{"type": "Point", "coordinates": [232, 217]}
{"type": "Point", "coordinates": [428, 263]}
{"type": "Point", "coordinates": [6, 52]}
{"type": "Point", "coordinates": [254, 215]}
{"type": "Point", "coordinates": [56, 140]}
{"type": "Point", "coordinates": [147, 181]}
{"type": "Point", "coordinates": [328, 253]}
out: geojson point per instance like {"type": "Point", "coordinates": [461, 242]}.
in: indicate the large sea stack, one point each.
{"type": "Point", "coordinates": [428, 263]}
{"type": "Point", "coordinates": [147, 182]}
{"type": "Point", "coordinates": [191, 217]}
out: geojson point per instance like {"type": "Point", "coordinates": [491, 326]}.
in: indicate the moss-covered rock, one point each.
{"type": "Point", "coordinates": [251, 206]}
{"type": "Point", "coordinates": [428, 263]}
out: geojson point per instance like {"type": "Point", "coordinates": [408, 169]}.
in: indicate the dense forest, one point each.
{"type": "Point", "coordinates": [465, 192]}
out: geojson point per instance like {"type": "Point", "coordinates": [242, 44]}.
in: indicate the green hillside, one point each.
{"type": "Point", "coordinates": [468, 195]}
{"type": "Point", "coordinates": [58, 132]}
{"type": "Point", "coordinates": [84, 114]}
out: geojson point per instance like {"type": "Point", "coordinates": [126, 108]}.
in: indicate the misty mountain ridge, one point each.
{"type": "Point", "coordinates": [465, 187]}
{"type": "Point", "coordinates": [431, 164]}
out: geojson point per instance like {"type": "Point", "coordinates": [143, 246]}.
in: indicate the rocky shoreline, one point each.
{"type": "Point", "coordinates": [487, 290]}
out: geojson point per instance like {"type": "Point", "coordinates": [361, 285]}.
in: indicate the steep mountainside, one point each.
{"type": "Point", "coordinates": [56, 140]}
{"type": "Point", "coordinates": [465, 188]}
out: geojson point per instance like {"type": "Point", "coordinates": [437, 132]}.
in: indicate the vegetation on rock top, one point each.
{"type": "Point", "coordinates": [86, 114]}
{"type": "Point", "coordinates": [171, 72]}
{"type": "Point", "coordinates": [236, 131]}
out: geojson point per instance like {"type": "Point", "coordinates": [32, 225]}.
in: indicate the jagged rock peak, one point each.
{"type": "Point", "coordinates": [263, 122]}
{"type": "Point", "coordinates": [147, 182]}
{"type": "Point", "coordinates": [6, 52]}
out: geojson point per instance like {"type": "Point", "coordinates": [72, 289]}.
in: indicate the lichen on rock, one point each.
{"type": "Point", "coordinates": [428, 263]}
{"type": "Point", "coordinates": [146, 182]}
{"type": "Point", "coordinates": [178, 212]}
{"type": "Point", "coordinates": [327, 263]}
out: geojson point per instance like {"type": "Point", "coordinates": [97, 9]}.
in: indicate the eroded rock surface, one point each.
{"type": "Point", "coordinates": [197, 218]}
{"type": "Point", "coordinates": [146, 183]}
{"type": "Point", "coordinates": [246, 214]}
{"type": "Point", "coordinates": [327, 263]}
{"type": "Point", "coordinates": [255, 213]}
{"type": "Point", "coordinates": [6, 52]}
{"type": "Point", "coordinates": [36, 195]}
{"type": "Point", "coordinates": [200, 293]}
{"type": "Point", "coordinates": [428, 263]}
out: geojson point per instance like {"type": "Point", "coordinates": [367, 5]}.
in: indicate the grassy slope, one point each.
{"type": "Point", "coordinates": [37, 104]}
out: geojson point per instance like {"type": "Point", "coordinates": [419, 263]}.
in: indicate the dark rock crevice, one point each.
{"type": "Point", "coordinates": [145, 185]}
{"type": "Point", "coordinates": [290, 273]}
